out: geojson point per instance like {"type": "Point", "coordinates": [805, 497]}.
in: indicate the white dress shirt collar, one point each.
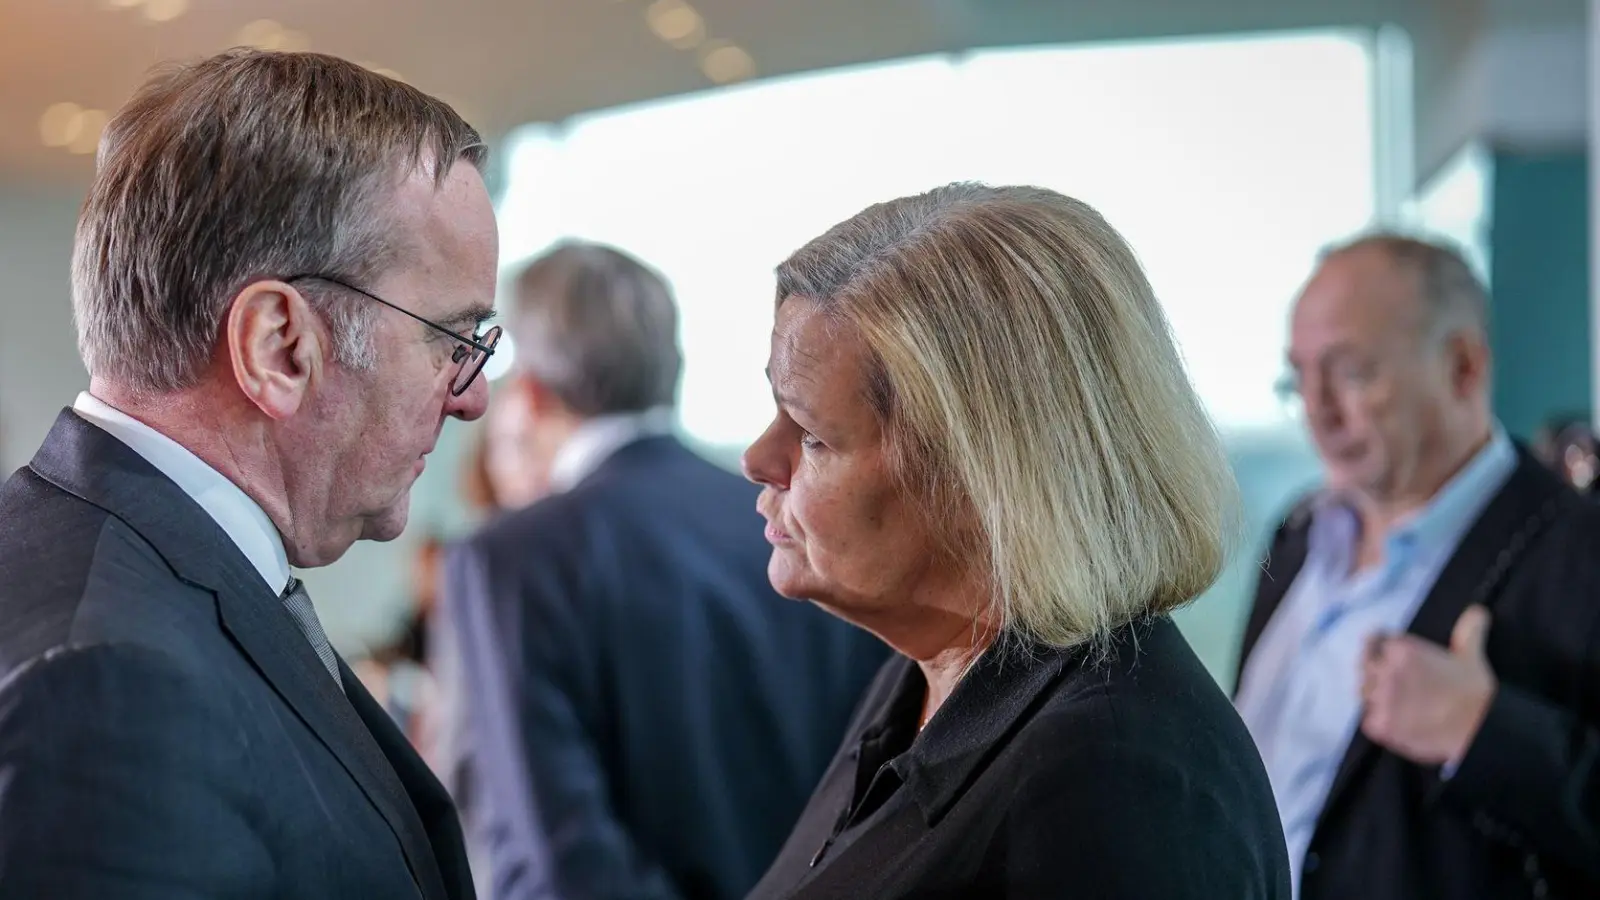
{"type": "Point", "coordinates": [241, 517]}
{"type": "Point", "coordinates": [597, 439]}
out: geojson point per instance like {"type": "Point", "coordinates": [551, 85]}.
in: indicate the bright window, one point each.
{"type": "Point", "coordinates": [1227, 163]}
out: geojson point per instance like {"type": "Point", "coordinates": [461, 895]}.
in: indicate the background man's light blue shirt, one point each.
{"type": "Point", "coordinates": [1300, 692]}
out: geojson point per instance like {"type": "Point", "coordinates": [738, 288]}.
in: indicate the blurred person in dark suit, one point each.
{"type": "Point", "coordinates": [500, 476]}
{"type": "Point", "coordinates": [644, 717]}
{"type": "Point", "coordinates": [1420, 668]}
{"type": "Point", "coordinates": [503, 472]}
{"type": "Point", "coordinates": [278, 279]}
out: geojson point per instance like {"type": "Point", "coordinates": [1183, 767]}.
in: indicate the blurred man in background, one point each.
{"type": "Point", "coordinates": [644, 717]}
{"type": "Point", "coordinates": [278, 279]}
{"type": "Point", "coordinates": [1419, 667]}
{"type": "Point", "coordinates": [395, 671]}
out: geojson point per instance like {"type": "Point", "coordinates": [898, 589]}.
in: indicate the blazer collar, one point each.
{"type": "Point", "coordinates": [599, 438]}
{"type": "Point", "coordinates": [644, 451]}
{"type": "Point", "coordinates": [246, 523]}
{"type": "Point", "coordinates": [89, 463]}
{"type": "Point", "coordinates": [987, 706]}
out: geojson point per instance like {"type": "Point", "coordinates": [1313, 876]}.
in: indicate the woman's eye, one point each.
{"type": "Point", "coordinates": [809, 441]}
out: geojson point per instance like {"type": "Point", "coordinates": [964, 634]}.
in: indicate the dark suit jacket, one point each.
{"type": "Point", "coordinates": [1507, 823]}
{"type": "Point", "coordinates": [1584, 787]}
{"type": "Point", "coordinates": [1046, 774]}
{"type": "Point", "coordinates": [166, 731]}
{"type": "Point", "coordinates": [647, 717]}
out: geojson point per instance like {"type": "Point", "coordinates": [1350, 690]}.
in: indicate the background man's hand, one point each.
{"type": "Point", "coordinates": [1423, 702]}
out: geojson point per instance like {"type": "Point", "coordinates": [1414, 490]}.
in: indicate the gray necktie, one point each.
{"type": "Point", "coordinates": [298, 602]}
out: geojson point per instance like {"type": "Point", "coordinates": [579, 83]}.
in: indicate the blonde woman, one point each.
{"type": "Point", "coordinates": [986, 453]}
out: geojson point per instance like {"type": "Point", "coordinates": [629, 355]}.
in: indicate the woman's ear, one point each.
{"type": "Point", "coordinates": [274, 342]}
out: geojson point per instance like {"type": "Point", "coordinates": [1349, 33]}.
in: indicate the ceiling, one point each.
{"type": "Point", "coordinates": [506, 62]}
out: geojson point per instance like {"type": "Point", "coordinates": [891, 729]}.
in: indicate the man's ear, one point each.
{"type": "Point", "coordinates": [275, 344]}
{"type": "Point", "coordinates": [1469, 362]}
{"type": "Point", "coordinates": [525, 392]}
{"type": "Point", "coordinates": [541, 401]}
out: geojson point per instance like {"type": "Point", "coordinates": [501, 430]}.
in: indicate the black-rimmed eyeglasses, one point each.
{"type": "Point", "coordinates": [469, 356]}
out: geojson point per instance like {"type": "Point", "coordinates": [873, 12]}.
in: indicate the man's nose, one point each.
{"type": "Point", "coordinates": [472, 403]}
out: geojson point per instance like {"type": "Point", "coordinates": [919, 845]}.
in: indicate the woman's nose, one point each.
{"type": "Point", "coordinates": [763, 464]}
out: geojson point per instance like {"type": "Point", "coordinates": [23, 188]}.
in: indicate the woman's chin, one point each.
{"type": "Point", "coordinates": [788, 590]}
{"type": "Point", "coordinates": [786, 578]}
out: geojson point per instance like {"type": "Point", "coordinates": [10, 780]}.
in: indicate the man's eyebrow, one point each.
{"type": "Point", "coordinates": [475, 315]}
{"type": "Point", "coordinates": [1338, 351]}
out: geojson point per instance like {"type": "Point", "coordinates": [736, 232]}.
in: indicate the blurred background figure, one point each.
{"type": "Point", "coordinates": [478, 492]}
{"type": "Point", "coordinates": [1567, 446]}
{"type": "Point", "coordinates": [504, 471]}
{"type": "Point", "coordinates": [397, 671]}
{"type": "Point", "coordinates": [1418, 745]}
{"type": "Point", "coordinates": [640, 716]}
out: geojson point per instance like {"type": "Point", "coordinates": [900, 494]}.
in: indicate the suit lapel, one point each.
{"type": "Point", "coordinates": [1474, 574]}
{"type": "Point", "coordinates": [91, 464]}
{"type": "Point", "coordinates": [266, 634]}
{"type": "Point", "coordinates": [422, 788]}
{"type": "Point", "coordinates": [1285, 557]}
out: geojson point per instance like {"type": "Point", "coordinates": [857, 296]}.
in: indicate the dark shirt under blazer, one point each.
{"type": "Point", "coordinates": [166, 730]}
{"type": "Point", "coordinates": [1046, 774]}
{"type": "Point", "coordinates": [1510, 821]}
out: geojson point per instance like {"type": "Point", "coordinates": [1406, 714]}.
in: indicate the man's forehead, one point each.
{"type": "Point", "coordinates": [449, 294]}
{"type": "Point", "coordinates": [450, 243]}
{"type": "Point", "coordinates": [1359, 294]}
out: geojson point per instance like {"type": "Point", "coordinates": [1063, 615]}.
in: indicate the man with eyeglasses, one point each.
{"type": "Point", "coordinates": [1421, 666]}
{"type": "Point", "coordinates": [279, 279]}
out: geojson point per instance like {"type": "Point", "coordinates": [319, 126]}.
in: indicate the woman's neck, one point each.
{"type": "Point", "coordinates": [943, 627]}
{"type": "Point", "coordinates": [945, 669]}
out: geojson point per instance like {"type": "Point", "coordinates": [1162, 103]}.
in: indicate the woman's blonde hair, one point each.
{"type": "Point", "coordinates": [1033, 397]}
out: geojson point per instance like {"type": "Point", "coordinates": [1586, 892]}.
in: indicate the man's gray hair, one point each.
{"type": "Point", "coordinates": [246, 166]}
{"type": "Point", "coordinates": [598, 328]}
{"type": "Point", "coordinates": [1453, 296]}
